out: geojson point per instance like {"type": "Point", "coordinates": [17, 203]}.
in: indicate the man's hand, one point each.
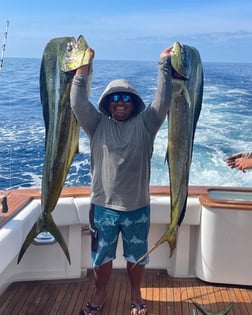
{"type": "Point", "coordinates": [166, 52]}
{"type": "Point", "coordinates": [84, 69]}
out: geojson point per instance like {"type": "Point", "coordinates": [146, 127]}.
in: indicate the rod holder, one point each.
{"type": "Point", "coordinates": [4, 205]}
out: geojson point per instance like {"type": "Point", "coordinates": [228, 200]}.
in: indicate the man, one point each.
{"type": "Point", "coordinates": [121, 137]}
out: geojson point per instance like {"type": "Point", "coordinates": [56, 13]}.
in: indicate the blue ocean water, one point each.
{"type": "Point", "coordinates": [224, 126]}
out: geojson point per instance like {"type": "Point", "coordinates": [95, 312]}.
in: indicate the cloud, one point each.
{"type": "Point", "coordinates": [214, 28]}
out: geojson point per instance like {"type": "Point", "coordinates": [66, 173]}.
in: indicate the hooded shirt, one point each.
{"type": "Point", "coordinates": [121, 151]}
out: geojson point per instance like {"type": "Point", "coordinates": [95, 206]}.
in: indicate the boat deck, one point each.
{"type": "Point", "coordinates": [164, 295]}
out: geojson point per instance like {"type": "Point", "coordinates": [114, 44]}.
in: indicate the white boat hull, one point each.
{"type": "Point", "coordinates": [197, 254]}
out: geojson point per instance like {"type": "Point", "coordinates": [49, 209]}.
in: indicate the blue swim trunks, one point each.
{"type": "Point", "coordinates": [134, 227]}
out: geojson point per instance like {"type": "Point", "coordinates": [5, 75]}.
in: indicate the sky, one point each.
{"type": "Point", "coordinates": [132, 29]}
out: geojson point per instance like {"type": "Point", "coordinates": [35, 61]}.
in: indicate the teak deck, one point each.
{"type": "Point", "coordinates": [164, 295]}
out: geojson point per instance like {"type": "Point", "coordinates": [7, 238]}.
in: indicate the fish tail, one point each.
{"type": "Point", "coordinates": [228, 308]}
{"type": "Point", "coordinates": [60, 239]}
{"type": "Point", "coordinates": [169, 236]}
{"type": "Point", "coordinates": [202, 308]}
{"type": "Point", "coordinates": [147, 253]}
{"type": "Point", "coordinates": [207, 312]}
{"type": "Point", "coordinates": [37, 228]}
{"type": "Point", "coordinates": [172, 241]}
{"type": "Point", "coordinates": [29, 239]}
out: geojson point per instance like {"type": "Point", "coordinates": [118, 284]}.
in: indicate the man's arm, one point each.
{"type": "Point", "coordinates": [157, 111]}
{"type": "Point", "coordinates": [86, 114]}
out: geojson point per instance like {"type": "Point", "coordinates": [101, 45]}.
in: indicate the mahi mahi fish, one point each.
{"type": "Point", "coordinates": [187, 93]}
{"type": "Point", "coordinates": [61, 56]}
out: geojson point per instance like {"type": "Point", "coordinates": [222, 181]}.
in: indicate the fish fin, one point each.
{"type": "Point", "coordinates": [48, 226]}
{"type": "Point", "coordinates": [207, 312]}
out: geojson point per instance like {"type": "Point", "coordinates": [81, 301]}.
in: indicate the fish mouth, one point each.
{"type": "Point", "coordinates": [176, 75]}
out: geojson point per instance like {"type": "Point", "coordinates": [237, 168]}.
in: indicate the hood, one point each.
{"type": "Point", "coordinates": [116, 86]}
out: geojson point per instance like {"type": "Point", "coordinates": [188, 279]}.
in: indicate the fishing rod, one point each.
{"type": "Point", "coordinates": [4, 44]}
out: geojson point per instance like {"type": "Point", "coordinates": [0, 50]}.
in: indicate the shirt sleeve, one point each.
{"type": "Point", "coordinates": [155, 114]}
{"type": "Point", "coordinates": [84, 111]}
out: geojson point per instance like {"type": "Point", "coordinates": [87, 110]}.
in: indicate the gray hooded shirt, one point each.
{"type": "Point", "coordinates": [121, 151]}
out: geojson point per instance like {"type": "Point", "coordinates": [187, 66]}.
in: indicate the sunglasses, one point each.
{"type": "Point", "coordinates": [122, 97]}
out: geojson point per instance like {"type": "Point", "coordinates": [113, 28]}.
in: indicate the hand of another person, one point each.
{"type": "Point", "coordinates": [243, 163]}
{"type": "Point", "coordinates": [230, 160]}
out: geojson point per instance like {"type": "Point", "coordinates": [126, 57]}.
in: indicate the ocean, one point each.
{"type": "Point", "coordinates": [224, 126]}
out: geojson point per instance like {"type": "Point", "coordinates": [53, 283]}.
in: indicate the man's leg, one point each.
{"type": "Point", "coordinates": [101, 276]}
{"type": "Point", "coordinates": [135, 275]}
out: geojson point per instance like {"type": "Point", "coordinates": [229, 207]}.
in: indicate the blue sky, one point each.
{"type": "Point", "coordinates": [132, 29]}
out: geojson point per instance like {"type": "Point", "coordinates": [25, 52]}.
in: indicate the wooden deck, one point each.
{"type": "Point", "coordinates": [164, 295]}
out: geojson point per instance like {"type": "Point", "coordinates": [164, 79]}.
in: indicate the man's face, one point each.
{"type": "Point", "coordinates": [121, 106]}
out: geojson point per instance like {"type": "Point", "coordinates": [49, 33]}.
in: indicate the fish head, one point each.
{"type": "Point", "coordinates": [179, 60]}
{"type": "Point", "coordinates": [77, 54]}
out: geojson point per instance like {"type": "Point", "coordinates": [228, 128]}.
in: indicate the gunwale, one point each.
{"type": "Point", "coordinates": [18, 199]}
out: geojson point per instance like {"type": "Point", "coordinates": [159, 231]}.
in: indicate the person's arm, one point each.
{"type": "Point", "coordinates": [157, 111]}
{"type": "Point", "coordinates": [86, 114]}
